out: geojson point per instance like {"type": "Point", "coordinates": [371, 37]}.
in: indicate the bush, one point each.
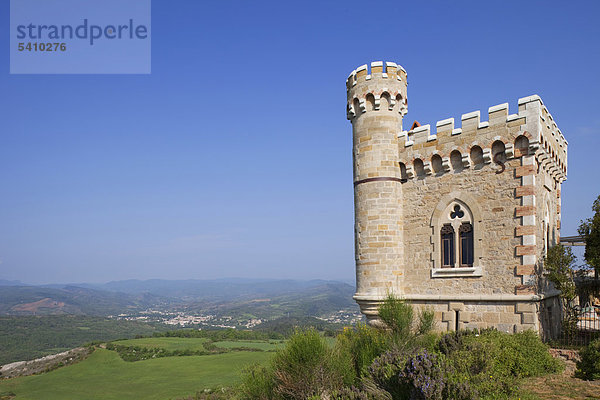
{"type": "Point", "coordinates": [426, 321]}
{"type": "Point", "coordinates": [588, 367]}
{"type": "Point", "coordinates": [559, 266]}
{"type": "Point", "coordinates": [398, 317]}
{"type": "Point", "coordinates": [305, 368]}
{"type": "Point", "coordinates": [362, 345]}
{"type": "Point", "coordinates": [354, 393]}
{"type": "Point", "coordinates": [493, 361]}
{"type": "Point", "coordinates": [258, 383]}
{"type": "Point", "coordinates": [403, 362]}
{"type": "Point", "coordinates": [385, 370]}
{"type": "Point", "coordinates": [423, 376]}
{"type": "Point", "coordinates": [452, 341]}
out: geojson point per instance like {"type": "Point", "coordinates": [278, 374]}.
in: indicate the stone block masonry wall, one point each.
{"type": "Point", "coordinates": [506, 316]}
{"type": "Point", "coordinates": [376, 105]}
{"type": "Point", "coordinates": [502, 176]}
{"type": "Point", "coordinates": [471, 176]}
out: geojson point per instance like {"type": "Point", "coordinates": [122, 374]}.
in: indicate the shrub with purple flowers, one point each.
{"type": "Point", "coordinates": [453, 341]}
{"type": "Point", "coordinates": [384, 372]}
{"type": "Point", "coordinates": [423, 376]}
{"type": "Point", "coordinates": [402, 362]}
{"type": "Point", "coordinates": [493, 362]}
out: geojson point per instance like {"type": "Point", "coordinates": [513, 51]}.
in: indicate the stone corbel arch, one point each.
{"type": "Point", "coordinates": [436, 223]}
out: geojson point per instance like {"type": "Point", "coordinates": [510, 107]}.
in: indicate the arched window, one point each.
{"type": "Point", "coordinates": [547, 229]}
{"type": "Point", "coordinates": [447, 236]}
{"type": "Point", "coordinates": [457, 239]}
{"type": "Point", "coordinates": [419, 168]}
{"type": "Point", "coordinates": [456, 236]}
{"type": "Point", "coordinates": [403, 174]}
{"type": "Point", "coordinates": [456, 161]}
{"type": "Point", "coordinates": [436, 164]}
{"type": "Point", "coordinates": [477, 155]}
{"type": "Point", "coordinates": [466, 244]}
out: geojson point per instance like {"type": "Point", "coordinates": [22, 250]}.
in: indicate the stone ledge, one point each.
{"type": "Point", "coordinates": [456, 272]}
{"type": "Point", "coordinates": [502, 297]}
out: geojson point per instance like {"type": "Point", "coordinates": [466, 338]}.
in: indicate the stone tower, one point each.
{"type": "Point", "coordinates": [376, 105]}
{"type": "Point", "coordinates": [457, 219]}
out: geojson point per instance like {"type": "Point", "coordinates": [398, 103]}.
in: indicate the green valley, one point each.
{"type": "Point", "coordinates": [105, 376]}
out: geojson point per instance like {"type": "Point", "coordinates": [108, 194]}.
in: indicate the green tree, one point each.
{"type": "Point", "coordinates": [559, 270]}
{"type": "Point", "coordinates": [589, 229]}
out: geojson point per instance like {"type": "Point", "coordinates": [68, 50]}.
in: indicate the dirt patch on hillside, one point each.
{"type": "Point", "coordinates": [36, 305]}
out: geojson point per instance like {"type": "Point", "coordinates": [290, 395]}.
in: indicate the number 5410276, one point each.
{"type": "Point", "coordinates": [35, 46]}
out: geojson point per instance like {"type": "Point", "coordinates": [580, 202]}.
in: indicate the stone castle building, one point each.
{"type": "Point", "coordinates": [457, 218]}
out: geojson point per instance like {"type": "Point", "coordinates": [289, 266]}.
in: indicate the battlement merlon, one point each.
{"type": "Point", "coordinates": [546, 140]}
{"type": "Point", "coordinates": [366, 88]}
{"type": "Point", "coordinates": [552, 143]}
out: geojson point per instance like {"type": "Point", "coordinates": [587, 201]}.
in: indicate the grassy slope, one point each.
{"type": "Point", "coordinates": [261, 345]}
{"type": "Point", "coordinates": [26, 338]}
{"type": "Point", "coordinates": [104, 376]}
{"type": "Point", "coordinates": [177, 343]}
{"type": "Point", "coordinates": [167, 343]}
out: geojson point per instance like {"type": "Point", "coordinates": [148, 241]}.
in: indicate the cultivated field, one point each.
{"type": "Point", "coordinates": [167, 343]}
{"type": "Point", "coordinates": [251, 344]}
{"type": "Point", "coordinates": [105, 376]}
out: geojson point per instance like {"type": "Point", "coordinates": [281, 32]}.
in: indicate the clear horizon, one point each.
{"type": "Point", "coordinates": [232, 278]}
{"type": "Point", "coordinates": [233, 157]}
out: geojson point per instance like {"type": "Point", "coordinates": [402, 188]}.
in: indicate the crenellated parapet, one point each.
{"type": "Point", "coordinates": [552, 152]}
{"type": "Point", "coordinates": [383, 85]}
{"type": "Point", "coordinates": [530, 131]}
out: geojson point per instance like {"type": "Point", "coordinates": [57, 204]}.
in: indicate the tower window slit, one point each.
{"type": "Point", "coordinates": [456, 319]}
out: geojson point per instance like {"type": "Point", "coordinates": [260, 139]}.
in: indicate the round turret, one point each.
{"type": "Point", "coordinates": [375, 106]}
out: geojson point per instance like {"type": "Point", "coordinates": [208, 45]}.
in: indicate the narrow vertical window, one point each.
{"type": "Point", "coordinates": [547, 244]}
{"type": "Point", "coordinates": [466, 244]}
{"type": "Point", "coordinates": [447, 233]}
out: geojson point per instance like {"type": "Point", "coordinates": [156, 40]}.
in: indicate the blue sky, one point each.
{"type": "Point", "coordinates": [233, 157]}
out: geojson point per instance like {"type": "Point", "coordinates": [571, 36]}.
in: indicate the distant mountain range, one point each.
{"type": "Point", "coordinates": [37, 300]}
{"type": "Point", "coordinates": [261, 298]}
{"type": "Point", "coordinates": [4, 282]}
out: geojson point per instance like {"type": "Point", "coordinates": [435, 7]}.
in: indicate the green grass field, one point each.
{"type": "Point", "coordinates": [167, 343]}
{"type": "Point", "coordinates": [252, 344]}
{"type": "Point", "coordinates": [104, 376]}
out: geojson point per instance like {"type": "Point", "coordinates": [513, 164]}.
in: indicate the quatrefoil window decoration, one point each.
{"type": "Point", "coordinates": [457, 213]}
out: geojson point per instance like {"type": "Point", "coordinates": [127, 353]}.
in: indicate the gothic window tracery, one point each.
{"type": "Point", "coordinates": [456, 236]}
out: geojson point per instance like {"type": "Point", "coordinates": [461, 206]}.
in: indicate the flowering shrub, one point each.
{"type": "Point", "coordinates": [492, 361]}
{"type": "Point", "coordinates": [385, 370]}
{"type": "Point", "coordinates": [423, 376]}
{"type": "Point", "coordinates": [403, 362]}
{"type": "Point", "coordinates": [452, 341]}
